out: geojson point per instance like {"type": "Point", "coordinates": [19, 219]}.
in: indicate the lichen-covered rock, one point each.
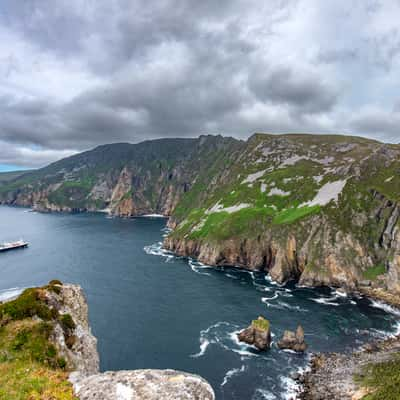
{"type": "Point", "coordinates": [336, 376]}
{"type": "Point", "coordinates": [293, 340]}
{"type": "Point", "coordinates": [257, 334]}
{"type": "Point", "coordinates": [144, 385]}
{"type": "Point", "coordinates": [75, 342]}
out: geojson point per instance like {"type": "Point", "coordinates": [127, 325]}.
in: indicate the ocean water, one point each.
{"type": "Point", "coordinates": [150, 309]}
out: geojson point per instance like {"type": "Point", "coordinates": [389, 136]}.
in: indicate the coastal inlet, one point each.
{"type": "Point", "coordinates": [150, 309]}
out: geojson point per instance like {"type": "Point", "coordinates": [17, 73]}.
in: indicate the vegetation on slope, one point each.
{"type": "Point", "coordinates": [8, 176]}
{"type": "Point", "coordinates": [382, 380]}
{"type": "Point", "coordinates": [30, 367]}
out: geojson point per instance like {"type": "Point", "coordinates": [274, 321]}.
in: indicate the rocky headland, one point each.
{"type": "Point", "coordinates": [320, 210]}
{"type": "Point", "coordinates": [45, 333]}
{"type": "Point", "coordinates": [317, 209]}
{"type": "Point", "coordinates": [371, 373]}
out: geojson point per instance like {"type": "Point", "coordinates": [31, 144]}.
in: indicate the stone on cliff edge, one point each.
{"type": "Point", "coordinates": [144, 385]}
{"type": "Point", "coordinates": [293, 340]}
{"type": "Point", "coordinates": [257, 334]}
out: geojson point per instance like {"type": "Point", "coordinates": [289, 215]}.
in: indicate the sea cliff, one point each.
{"type": "Point", "coordinates": [316, 209]}
{"type": "Point", "coordinates": [47, 350]}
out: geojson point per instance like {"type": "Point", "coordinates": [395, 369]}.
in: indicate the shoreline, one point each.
{"type": "Point", "coordinates": [375, 293]}
{"type": "Point", "coordinates": [331, 376]}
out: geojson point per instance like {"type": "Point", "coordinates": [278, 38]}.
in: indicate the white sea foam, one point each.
{"type": "Point", "coordinates": [385, 307]}
{"type": "Point", "coordinates": [266, 299]}
{"type": "Point", "coordinates": [156, 249]}
{"type": "Point", "coordinates": [291, 388]}
{"type": "Point", "coordinates": [197, 267]}
{"type": "Point", "coordinates": [243, 348]}
{"type": "Point", "coordinates": [231, 373]}
{"type": "Point", "coordinates": [281, 305]}
{"type": "Point", "coordinates": [206, 338]}
{"type": "Point", "coordinates": [9, 294]}
{"type": "Point", "coordinates": [271, 281]}
{"type": "Point", "coordinates": [204, 343]}
{"type": "Point", "coordinates": [328, 301]}
{"type": "Point", "coordinates": [153, 216]}
{"type": "Point", "coordinates": [290, 351]}
{"type": "Point", "coordinates": [391, 310]}
{"type": "Point", "coordinates": [261, 288]}
{"type": "Point", "coordinates": [265, 394]}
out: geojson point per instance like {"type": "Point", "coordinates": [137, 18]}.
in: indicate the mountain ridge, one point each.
{"type": "Point", "coordinates": [319, 209]}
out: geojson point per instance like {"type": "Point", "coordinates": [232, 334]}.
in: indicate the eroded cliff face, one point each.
{"type": "Point", "coordinates": [318, 209]}
{"type": "Point", "coordinates": [314, 253]}
{"type": "Point", "coordinates": [80, 348]}
{"type": "Point", "coordinates": [321, 214]}
{"type": "Point", "coordinates": [123, 179]}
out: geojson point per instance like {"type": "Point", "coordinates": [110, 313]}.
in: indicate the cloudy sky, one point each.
{"type": "Point", "coordinates": [78, 73]}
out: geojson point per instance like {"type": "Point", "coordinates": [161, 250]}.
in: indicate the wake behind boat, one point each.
{"type": "Point", "coordinates": [19, 244]}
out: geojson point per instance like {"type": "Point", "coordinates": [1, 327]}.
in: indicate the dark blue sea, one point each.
{"type": "Point", "coordinates": [150, 309]}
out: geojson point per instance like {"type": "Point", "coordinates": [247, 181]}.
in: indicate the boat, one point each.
{"type": "Point", "coordinates": [19, 244]}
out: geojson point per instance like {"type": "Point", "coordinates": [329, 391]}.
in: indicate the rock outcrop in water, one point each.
{"type": "Point", "coordinates": [47, 330]}
{"type": "Point", "coordinates": [293, 341]}
{"type": "Point", "coordinates": [258, 334]}
{"type": "Point", "coordinates": [317, 209]}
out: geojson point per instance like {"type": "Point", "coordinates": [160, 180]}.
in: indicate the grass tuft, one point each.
{"type": "Point", "coordinates": [373, 272]}
{"type": "Point", "coordinates": [261, 323]}
{"type": "Point", "coordinates": [383, 380]}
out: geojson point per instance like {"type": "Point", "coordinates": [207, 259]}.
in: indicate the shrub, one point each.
{"type": "Point", "coordinates": [67, 323]}
{"type": "Point", "coordinates": [61, 362]}
{"type": "Point", "coordinates": [27, 305]}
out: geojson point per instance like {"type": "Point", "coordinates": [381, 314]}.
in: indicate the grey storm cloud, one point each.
{"type": "Point", "coordinates": [75, 74]}
{"type": "Point", "coordinates": [305, 92]}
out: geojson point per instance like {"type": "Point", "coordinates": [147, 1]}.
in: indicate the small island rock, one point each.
{"type": "Point", "coordinates": [257, 334]}
{"type": "Point", "coordinates": [293, 340]}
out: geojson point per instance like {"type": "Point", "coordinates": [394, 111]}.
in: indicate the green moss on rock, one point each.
{"type": "Point", "coordinates": [261, 323]}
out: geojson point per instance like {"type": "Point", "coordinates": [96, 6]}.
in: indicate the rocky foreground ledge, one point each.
{"type": "Point", "coordinates": [372, 373]}
{"type": "Point", "coordinates": [47, 351]}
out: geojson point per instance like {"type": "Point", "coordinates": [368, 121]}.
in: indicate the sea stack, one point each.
{"type": "Point", "coordinates": [257, 334]}
{"type": "Point", "coordinates": [293, 340]}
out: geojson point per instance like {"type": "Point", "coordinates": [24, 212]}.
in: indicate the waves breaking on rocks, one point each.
{"type": "Point", "coordinates": [284, 306]}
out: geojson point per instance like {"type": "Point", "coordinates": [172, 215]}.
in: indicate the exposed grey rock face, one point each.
{"type": "Point", "coordinates": [81, 352]}
{"type": "Point", "coordinates": [144, 384]}
{"type": "Point", "coordinates": [332, 376]}
{"type": "Point", "coordinates": [293, 340]}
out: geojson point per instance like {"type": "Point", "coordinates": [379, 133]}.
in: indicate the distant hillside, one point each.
{"type": "Point", "coordinates": [126, 179]}
{"type": "Point", "coordinates": [9, 176]}
{"type": "Point", "coordinates": [319, 209]}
